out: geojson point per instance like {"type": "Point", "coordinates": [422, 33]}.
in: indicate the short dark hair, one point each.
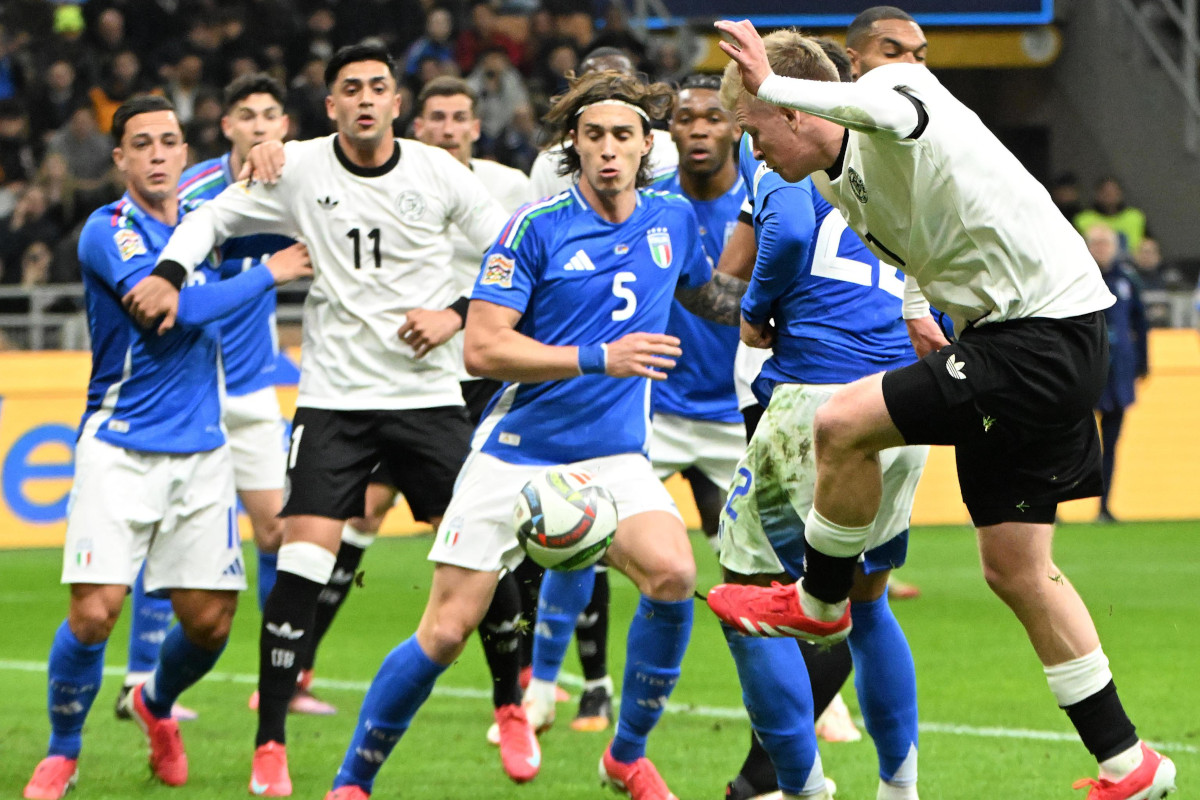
{"type": "Point", "coordinates": [601, 54]}
{"type": "Point", "coordinates": [138, 104]}
{"type": "Point", "coordinates": [254, 83]}
{"type": "Point", "coordinates": [701, 80]}
{"type": "Point", "coordinates": [838, 55]}
{"type": "Point", "coordinates": [353, 53]}
{"type": "Point", "coordinates": [861, 25]}
{"type": "Point", "coordinates": [445, 86]}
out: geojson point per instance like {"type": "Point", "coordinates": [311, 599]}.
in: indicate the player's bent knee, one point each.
{"type": "Point", "coordinates": [207, 617]}
{"type": "Point", "coordinates": [92, 620]}
{"type": "Point", "coordinates": [444, 638]}
{"type": "Point", "coordinates": [671, 583]}
{"type": "Point", "coordinates": [835, 429]}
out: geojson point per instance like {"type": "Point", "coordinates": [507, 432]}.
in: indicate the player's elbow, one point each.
{"type": "Point", "coordinates": [478, 355]}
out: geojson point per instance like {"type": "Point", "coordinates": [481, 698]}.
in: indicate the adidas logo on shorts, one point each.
{"type": "Point", "coordinates": [955, 368]}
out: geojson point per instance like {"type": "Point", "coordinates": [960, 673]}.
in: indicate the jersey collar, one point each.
{"type": "Point", "coordinates": [366, 172]}
{"type": "Point", "coordinates": [835, 171]}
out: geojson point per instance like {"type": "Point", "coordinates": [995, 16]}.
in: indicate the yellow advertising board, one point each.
{"type": "Point", "coordinates": [42, 396]}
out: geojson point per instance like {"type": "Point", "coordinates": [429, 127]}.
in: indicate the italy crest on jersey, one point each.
{"type": "Point", "coordinates": [659, 240]}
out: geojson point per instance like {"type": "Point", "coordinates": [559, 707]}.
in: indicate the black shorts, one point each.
{"type": "Point", "coordinates": [333, 453]}
{"type": "Point", "coordinates": [1015, 399]}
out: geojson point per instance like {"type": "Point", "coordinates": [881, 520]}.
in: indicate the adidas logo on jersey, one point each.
{"type": "Point", "coordinates": [327, 203]}
{"type": "Point", "coordinates": [579, 263]}
{"type": "Point", "coordinates": [284, 631]}
{"type": "Point", "coordinates": [955, 368]}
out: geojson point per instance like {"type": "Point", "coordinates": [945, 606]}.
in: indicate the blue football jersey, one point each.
{"type": "Point", "coordinates": [146, 392]}
{"type": "Point", "coordinates": [836, 307]}
{"type": "Point", "coordinates": [249, 345]}
{"type": "Point", "coordinates": [701, 384]}
{"type": "Point", "coordinates": [578, 279]}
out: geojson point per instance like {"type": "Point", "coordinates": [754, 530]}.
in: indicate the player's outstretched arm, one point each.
{"type": "Point", "coordinates": [737, 259]}
{"type": "Point", "coordinates": [719, 300]}
{"type": "Point", "coordinates": [493, 348]}
{"type": "Point", "coordinates": [204, 303]}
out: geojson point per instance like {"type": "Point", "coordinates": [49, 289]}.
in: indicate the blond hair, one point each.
{"type": "Point", "coordinates": [790, 54]}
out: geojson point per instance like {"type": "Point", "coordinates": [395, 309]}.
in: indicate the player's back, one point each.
{"type": "Point", "coordinates": [580, 280]}
{"type": "Point", "coordinates": [249, 344]}
{"type": "Point", "coordinates": [146, 392]}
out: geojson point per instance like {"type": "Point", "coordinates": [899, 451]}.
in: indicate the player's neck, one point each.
{"type": "Point", "coordinates": [615, 208]}
{"type": "Point", "coordinates": [370, 155]}
{"type": "Point", "coordinates": [709, 185]}
{"type": "Point", "coordinates": [165, 210]}
{"type": "Point", "coordinates": [235, 163]}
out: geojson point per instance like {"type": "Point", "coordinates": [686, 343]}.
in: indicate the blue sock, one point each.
{"type": "Point", "coordinates": [147, 627]}
{"type": "Point", "coordinates": [887, 688]}
{"type": "Point", "coordinates": [778, 695]}
{"type": "Point", "coordinates": [404, 680]}
{"type": "Point", "coordinates": [180, 664]}
{"type": "Point", "coordinates": [658, 637]}
{"type": "Point", "coordinates": [266, 576]}
{"type": "Point", "coordinates": [75, 671]}
{"type": "Point", "coordinates": [563, 597]}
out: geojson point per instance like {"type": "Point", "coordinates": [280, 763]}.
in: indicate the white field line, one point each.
{"type": "Point", "coordinates": [711, 712]}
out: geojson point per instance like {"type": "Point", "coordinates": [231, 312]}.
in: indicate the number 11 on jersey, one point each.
{"type": "Point", "coordinates": [373, 235]}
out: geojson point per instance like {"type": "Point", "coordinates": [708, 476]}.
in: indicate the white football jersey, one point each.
{"type": "Point", "coordinates": [953, 208]}
{"type": "Point", "coordinates": [664, 160]}
{"type": "Point", "coordinates": [380, 244]}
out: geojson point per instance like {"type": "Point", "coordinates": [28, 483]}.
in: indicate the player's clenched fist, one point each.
{"type": "Point", "coordinates": [290, 263]}
{"type": "Point", "coordinates": [642, 355]}
{"type": "Point", "coordinates": [264, 163]}
{"type": "Point", "coordinates": [426, 328]}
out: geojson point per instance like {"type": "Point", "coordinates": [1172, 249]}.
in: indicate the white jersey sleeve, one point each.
{"type": "Point", "coordinates": [861, 106]}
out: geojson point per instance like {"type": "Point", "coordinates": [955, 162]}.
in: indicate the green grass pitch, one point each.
{"type": "Point", "coordinates": [990, 725]}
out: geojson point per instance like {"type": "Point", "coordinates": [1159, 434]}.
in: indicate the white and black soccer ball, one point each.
{"type": "Point", "coordinates": [565, 519]}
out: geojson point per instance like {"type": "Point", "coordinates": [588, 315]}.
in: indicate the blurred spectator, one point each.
{"type": "Point", "coordinates": [203, 133]}
{"type": "Point", "coordinates": [485, 33]}
{"type": "Point", "coordinates": [617, 33]}
{"type": "Point", "coordinates": [556, 58]}
{"type": "Point", "coordinates": [316, 41]}
{"type": "Point", "coordinates": [53, 104]}
{"type": "Point", "coordinates": [434, 46]}
{"type": "Point", "coordinates": [12, 81]}
{"type": "Point", "coordinates": [1064, 191]}
{"type": "Point", "coordinates": [204, 41]}
{"type": "Point", "coordinates": [306, 102]}
{"type": "Point", "coordinates": [105, 38]}
{"type": "Point", "coordinates": [17, 161]}
{"type": "Point", "coordinates": [1147, 257]}
{"type": "Point", "coordinates": [395, 23]}
{"type": "Point", "coordinates": [500, 92]}
{"type": "Point", "coordinates": [88, 151]}
{"type": "Point", "coordinates": [667, 62]}
{"type": "Point", "coordinates": [121, 80]}
{"type": "Point", "coordinates": [1127, 349]}
{"type": "Point", "coordinates": [1109, 209]}
{"type": "Point", "coordinates": [517, 147]}
{"type": "Point", "coordinates": [29, 223]}
{"type": "Point", "coordinates": [61, 189]}
{"type": "Point", "coordinates": [33, 269]}
{"type": "Point", "coordinates": [184, 82]}
{"type": "Point", "coordinates": [573, 19]}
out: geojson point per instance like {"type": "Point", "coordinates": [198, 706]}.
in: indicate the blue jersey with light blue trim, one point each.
{"type": "Point", "coordinates": [158, 394]}
{"type": "Point", "coordinates": [249, 345]}
{"type": "Point", "coordinates": [578, 280]}
{"type": "Point", "coordinates": [836, 307]}
{"type": "Point", "coordinates": [700, 386]}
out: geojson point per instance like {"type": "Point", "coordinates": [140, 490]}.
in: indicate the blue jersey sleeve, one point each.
{"type": "Point", "coordinates": [209, 302]}
{"type": "Point", "coordinates": [512, 265]}
{"type": "Point", "coordinates": [117, 256]}
{"type": "Point", "coordinates": [786, 226]}
{"type": "Point", "coordinates": [697, 264]}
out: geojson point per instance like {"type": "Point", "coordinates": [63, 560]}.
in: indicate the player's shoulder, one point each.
{"type": "Point", "coordinates": [540, 216]}
{"type": "Point", "coordinates": [112, 231]}
{"type": "Point", "coordinates": [672, 206]}
{"type": "Point", "coordinates": [204, 179]}
{"type": "Point", "coordinates": [488, 171]}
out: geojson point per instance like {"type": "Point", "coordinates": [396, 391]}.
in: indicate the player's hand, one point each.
{"type": "Point", "coordinates": [926, 335]}
{"type": "Point", "coordinates": [264, 163]}
{"type": "Point", "coordinates": [426, 328]}
{"type": "Point", "coordinates": [289, 264]}
{"type": "Point", "coordinates": [747, 50]}
{"type": "Point", "coordinates": [634, 354]}
{"type": "Point", "coordinates": [154, 300]}
{"type": "Point", "coordinates": [760, 336]}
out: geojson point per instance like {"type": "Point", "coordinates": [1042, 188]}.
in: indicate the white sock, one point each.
{"type": "Point", "coordinates": [1120, 765]}
{"type": "Point", "coordinates": [819, 609]}
{"type": "Point", "coordinates": [134, 678]}
{"type": "Point", "coordinates": [604, 683]}
{"type": "Point", "coordinates": [541, 691]}
{"type": "Point", "coordinates": [1079, 678]}
{"type": "Point", "coordinates": [888, 791]}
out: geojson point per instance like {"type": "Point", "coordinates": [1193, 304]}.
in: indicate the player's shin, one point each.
{"type": "Point", "coordinates": [75, 672]}
{"type": "Point", "coordinates": [777, 694]}
{"type": "Point", "coordinates": [563, 597]}
{"type": "Point", "coordinates": [180, 665]}
{"type": "Point", "coordinates": [499, 634]}
{"type": "Point", "coordinates": [148, 624]}
{"type": "Point", "coordinates": [658, 638]}
{"type": "Point", "coordinates": [268, 565]}
{"type": "Point", "coordinates": [831, 554]}
{"type": "Point", "coordinates": [591, 632]}
{"type": "Point", "coordinates": [402, 684]}
{"type": "Point", "coordinates": [887, 689]}
{"type": "Point", "coordinates": [329, 601]}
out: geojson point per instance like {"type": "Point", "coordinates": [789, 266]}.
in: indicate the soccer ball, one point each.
{"type": "Point", "coordinates": [564, 519]}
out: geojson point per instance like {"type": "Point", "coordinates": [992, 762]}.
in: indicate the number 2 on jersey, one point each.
{"type": "Point", "coordinates": [828, 264]}
{"type": "Point", "coordinates": [373, 235]}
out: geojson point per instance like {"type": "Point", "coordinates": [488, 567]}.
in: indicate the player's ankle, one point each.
{"type": "Point", "coordinates": [818, 609]}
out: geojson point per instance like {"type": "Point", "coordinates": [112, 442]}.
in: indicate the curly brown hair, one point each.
{"type": "Point", "coordinates": [656, 99]}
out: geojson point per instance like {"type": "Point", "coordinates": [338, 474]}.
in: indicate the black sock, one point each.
{"type": "Point", "coordinates": [827, 578]}
{"type": "Point", "coordinates": [499, 634]}
{"type": "Point", "coordinates": [828, 669]}
{"type": "Point", "coordinates": [757, 769]}
{"type": "Point", "coordinates": [591, 631]}
{"type": "Point", "coordinates": [1102, 723]}
{"type": "Point", "coordinates": [286, 628]}
{"type": "Point", "coordinates": [331, 598]}
{"type": "Point", "coordinates": [529, 583]}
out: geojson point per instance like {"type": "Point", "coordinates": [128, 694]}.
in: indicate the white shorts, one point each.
{"type": "Point", "coordinates": [256, 433]}
{"type": "Point", "coordinates": [747, 363]}
{"type": "Point", "coordinates": [712, 447]}
{"type": "Point", "coordinates": [175, 511]}
{"type": "Point", "coordinates": [477, 531]}
{"type": "Point", "coordinates": [762, 523]}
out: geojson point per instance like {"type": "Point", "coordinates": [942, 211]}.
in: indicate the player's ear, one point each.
{"type": "Point", "coordinates": [855, 63]}
{"type": "Point", "coordinates": [226, 127]}
{"type": "Point", "coordinates": [329, 112]}
{"type": "Point", "coordinates": [648, 143]}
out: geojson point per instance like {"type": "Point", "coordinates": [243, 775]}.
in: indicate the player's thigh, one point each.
{"type": "Point", "coordinates": [331, 456]}
{"type": "Point", "coordinates": [423, 450]}
{"type": "Point", "coordinates": [762, 522]}
{"type": "Point", "coordinates": [458, 600]}
{"type": "Point", "coordinates": [197, 545]}
{"type": "Point", "coordinates": [256, 440]}
{"type": "Point", "coordinates": [477, 532]}
{"type": "Point", "coordinates": [857, 415]}
{"type": "Point", "coordinates": [117, 500]}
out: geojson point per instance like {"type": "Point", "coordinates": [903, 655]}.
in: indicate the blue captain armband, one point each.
{"type": "Point", "coordinates": [593, 359]}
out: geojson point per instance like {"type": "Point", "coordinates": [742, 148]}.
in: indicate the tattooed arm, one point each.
{"type": "Point", "coordinates": [719, 300]}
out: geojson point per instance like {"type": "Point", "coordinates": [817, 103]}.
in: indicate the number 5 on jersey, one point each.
{"type": "Point", "coordinates": [624, 293]}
